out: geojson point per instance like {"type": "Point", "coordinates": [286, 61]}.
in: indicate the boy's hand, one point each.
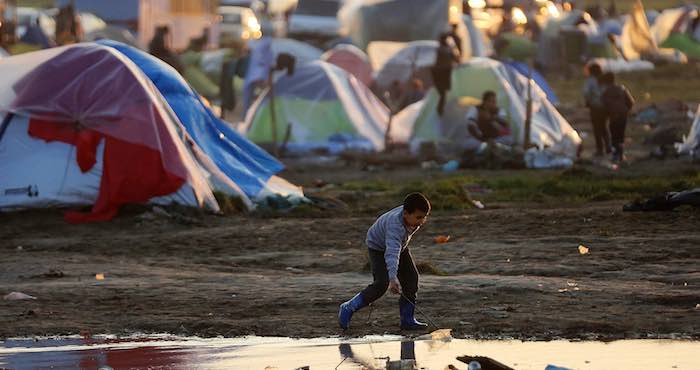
{"type": "Point", "coordinates": [395, 286]}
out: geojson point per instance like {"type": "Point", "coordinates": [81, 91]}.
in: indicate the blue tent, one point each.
{"type": "Point", "coordinates": [242, 161]}
{"type": "Point", "coordinates": [523, 68]}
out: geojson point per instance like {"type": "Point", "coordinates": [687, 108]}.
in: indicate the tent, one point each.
{"type": "Point", "coordinates": [351, 59]}
{"type": "Point", "coordinates": [637, 40]}
{"type": "Point", "coordinates": [679, 29]}
{"type": "Point", "coordinates": [399, 61]}
{"type": "Point", "coordinates": [303, 52]}
{"type": "Point", "coordinates": [246, 164]}
{"type": "Point", "coordinates": [691, 143]}
{"type": "Point", "coordinates": [81, 124]}
{"type": "Point", "coordinates": [524, 70]}
{"type": "Point", "coordinates": [114, 33]}
{"type": "Point", "coordinates": [365, 21]}
{"type": "Point", "coordinates": [319, 107]}
{"type": "Point", "coordinates": [549, 130]}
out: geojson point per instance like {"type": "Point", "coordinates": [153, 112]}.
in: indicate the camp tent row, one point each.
{"type": "Point", "coordinates": [324, 107]}
{"type": "Point", "coordinates": [83, 124]}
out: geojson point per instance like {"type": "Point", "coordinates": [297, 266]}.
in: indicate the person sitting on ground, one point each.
{"type": "Point", "coordinates": [486, 121]}
{"type": "Point", "coordinates": [391, 262]}
{"type": "Point", "coordinates": [617, 102]}
{"type": "Point", "coordinates": [415, 93]}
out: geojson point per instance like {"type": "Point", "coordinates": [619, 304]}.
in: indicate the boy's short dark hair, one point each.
{"type": "Point", "coordinates": [416, 201]}
{"type": "Point", "coordinates": [607, 78]}
{"type": "Point", "coordinates": [488, 94]}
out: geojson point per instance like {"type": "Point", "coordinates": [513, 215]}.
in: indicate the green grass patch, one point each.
{"type": "Point", "coordinates": [577, 185]}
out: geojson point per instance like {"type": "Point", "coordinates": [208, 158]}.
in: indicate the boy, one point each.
{"type": "Point", "coordinates": [391, 262]}
{"type": "Point", "coordinates": [617, 102]}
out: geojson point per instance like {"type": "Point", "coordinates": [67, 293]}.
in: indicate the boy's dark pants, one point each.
{"type": "Point", "coordinates": [599, 118]}
{"type": "Point", "coordinates": [617, 133]}
{"type": "Point", "coordinates": [407, 275]}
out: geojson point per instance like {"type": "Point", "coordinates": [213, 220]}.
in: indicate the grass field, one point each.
{"type": "Point", "coordinates": [663, 83]}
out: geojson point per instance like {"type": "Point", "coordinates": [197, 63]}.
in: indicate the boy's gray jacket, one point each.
{"type": "Point", "coordinates": [389, 235]}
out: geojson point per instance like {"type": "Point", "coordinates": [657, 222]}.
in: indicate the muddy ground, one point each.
{"type": "Point", "coordinates": [510, 270]}
{"type": "Point", "coordinates": [506, 271]}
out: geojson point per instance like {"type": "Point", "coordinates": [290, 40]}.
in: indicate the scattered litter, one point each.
{"type": "Point", "coordinates": [685, 284]}
{"type": "Point", "coordinates": [441, 239]}
{"type": "Point", "coordinates": [571, 283]}
{"type": "Point", "coordinates": [99, 276]}
{"type": "Point", "coordinates": [444, 335]}
{"type": "Point", "coordinates": [478, 204]}
{"type": "Point", "coordinates": [582, 249]}
{"type": "Point", "coordinates": [328, 255]}
{"type": "Point", "coordinates": [233, 296]}
{"type": "Point", "coordinates": [697, 306]}
{"type": "Point", "coordinates": [450, 166]}
{"type": "Point", "coordinates": [19, 248]}
{"type": "Point", "coordinates": [17, 296]}
{"type": "Point", "coordinates": [508, 260]}
{"type": "Point", "coordinates": [294, 270]}
{"type": "Point", "coordinates": [563, 290]}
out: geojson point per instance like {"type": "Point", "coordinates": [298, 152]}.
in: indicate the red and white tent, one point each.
{"type": "Point", "coordinates": [82, 124]}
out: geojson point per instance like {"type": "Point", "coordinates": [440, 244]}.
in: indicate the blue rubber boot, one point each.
{"type": "Point", "coordinates": [408, 321]}
{"type": "Point", "coordinates": [348, 308]}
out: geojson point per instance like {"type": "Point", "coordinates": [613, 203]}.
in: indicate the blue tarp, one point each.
{"type": "Point", "coordinates": [242, 161]}
{"type": "Point", "coordinates": [522, 68]}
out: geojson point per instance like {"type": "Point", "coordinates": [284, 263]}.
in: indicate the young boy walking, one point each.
{"type": "Point", "coordinates": [617, 102]}
{"type": "Point", "coordinates": [391, 262]}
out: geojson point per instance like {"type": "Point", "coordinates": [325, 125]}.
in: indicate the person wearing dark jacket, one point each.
{"type": "Point", "coordinates": [617, 102]}
{"type": "Point", "coordinates": [442, 70]}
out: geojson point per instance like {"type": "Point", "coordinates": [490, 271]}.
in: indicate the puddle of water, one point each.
{"type": "Point", "coordinates": [330, 353]}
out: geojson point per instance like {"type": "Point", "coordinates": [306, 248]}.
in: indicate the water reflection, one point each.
{"type": "Point", "coordinates": [343, 354]}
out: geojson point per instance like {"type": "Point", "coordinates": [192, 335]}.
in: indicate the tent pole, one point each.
{"type": "Point", "coordinates": [528, 112]}
{"type": "Point", "coordinates": [273, 114]}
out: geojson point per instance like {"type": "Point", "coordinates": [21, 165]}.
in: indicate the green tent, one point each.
{"type": "Point", "coordinates": [320, 106]}
{"type": "Point", "coordinates": [470, 80]}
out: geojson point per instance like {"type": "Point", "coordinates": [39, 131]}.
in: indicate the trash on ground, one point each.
{"type": "Point", "coordinates": [294, 270]}
{"type": "Point", "coordinates": [17, 296]}
{"type": "Point", "coordinates": [99, 276]}
{"type": "Point", "coordinates": [441, 239]}
{"type": "Point", "coordinates": [444, 335]}
{"type": "Point", "coordinates": [478, 204]}
{"type": "Point", "coordinates": [582, 249]}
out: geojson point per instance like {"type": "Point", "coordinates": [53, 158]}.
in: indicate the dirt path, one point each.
{"type": "Point", "coordinates": [505, 272]}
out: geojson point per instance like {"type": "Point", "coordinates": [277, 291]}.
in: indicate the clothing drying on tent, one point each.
{"type": "Point", "coordinates": [319, 107]}
{"type": "Point", "coordinates": [246, 164]}
{"type": "Point", "coordinates": [99, 132]}
{"type": "Point", "coordinates": [549, 130]}
{"type": "Point", "coordinates": [351, 59]}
